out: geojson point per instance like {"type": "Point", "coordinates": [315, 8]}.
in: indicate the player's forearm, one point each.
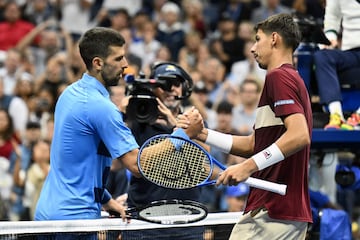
{"type": "Point", "coordinates": [296, 136]}
{"type": "Point", "coordinates": [130, 162]}
{"type": "Point", "coordinates": [290, 144]}
{"type": "Point", "coordinates": [237, 145]}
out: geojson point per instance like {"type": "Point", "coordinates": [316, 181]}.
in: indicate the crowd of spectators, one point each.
{"type": "Point", "coordinates": [39, 57]}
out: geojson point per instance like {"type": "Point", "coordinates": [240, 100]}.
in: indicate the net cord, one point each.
{"type": "Point", "coordinates": [105, 224]}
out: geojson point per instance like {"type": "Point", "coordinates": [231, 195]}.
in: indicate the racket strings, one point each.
{"type": "Point", "coordinates": [170, 213]}
{"type": "Point", "coordinates": [182, 167]}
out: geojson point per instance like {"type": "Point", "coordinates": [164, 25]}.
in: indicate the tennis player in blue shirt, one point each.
{"type": "Point", "coordinates": [88, 134]}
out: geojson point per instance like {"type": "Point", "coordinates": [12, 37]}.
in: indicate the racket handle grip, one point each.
{"type": "Point", "coordinates": [266, 185]}
{"type": "Point", "coordinates": [258, 183]}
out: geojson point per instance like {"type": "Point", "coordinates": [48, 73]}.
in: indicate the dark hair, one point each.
{"type": "Point", "coordinates": [33, 125]}
{"type": "Point", "coordinates": [9, 132]}
{"type": "Point", "coordinates": [96, 42]}
{"type": "Point", "coordinates": [285, 26]}
{"type": "Point", "coordinates": [224, 107]}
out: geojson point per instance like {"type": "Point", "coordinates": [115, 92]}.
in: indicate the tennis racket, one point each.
{"type": "Point", "coordinates": [174, 162]}
{"type": "Point", "coordinates": [168, 212]}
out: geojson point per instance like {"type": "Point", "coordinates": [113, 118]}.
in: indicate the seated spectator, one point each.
{"type": "Point", "coordinates": [203, 54]}
{"type": "Point", "coordinates": [194, 19]}
{"type": "Point", "coordinates": [44, 107]}
{"type": "Point", "coordinates": [21, 159]}
{"type": "Point", "coordinates": [38, 11]}
{"type": "Point", "coordinates": [132, 7]}
{"type": "Point", "coordinates": [340, 17]}
{"type": "Point", "coordinates": [16, 108]}
{"type": "Point", "coordinates": [24, 88]}
{"type": "Point", "coordinates": [312, 8]}
{"type": "Point", "coordinates": [76, 17]}
{"type": "Point", "coordinates": [7, 135]}
{"type": "Point", "coordinates": [247, 68]}
{"type": "Point", "coordinates": [246, 31]}
{"type": "Point", "coordinates": [211, 71]}
{"type": "Point", "coordinates": [11, 71]}
{"type": "Point", "coordinates": [228, 47]}
{"type": "Point", "coordinates": [244, 114]}
{"type": "Point", "coordinates": [13, 28]}
{"type": "Point", "coordinates": [57, 73]}
{"type": "Point", "coordinates": [36, 175]}
{"type": "Point", "coordinates": [76, 65]}
{"type": "Point", "coordinates": [53, 39]}
{"type": "Point", "coordinates": [117, 19]}
{"type": "Point", "coordinates": [134, 61]}
{"type": "Point", "coordinates": [188, 54]}
{"type": "Point", "coordinates": [199, 99]}
{"type": "Point", "coordinates": [147, 47]}
{"type": "Point", "coordinates": [224, 119]}
{"type": "Point", "coordinates": [5, 189]}
{"type": "Point", "coordinates": [170, 30]}
{"type": "Point", "coordinates": [268, 8]}
{"type": "Point", "coordinates": [239, 11]}
{"type": "Point", "coordinates": [137, 25]}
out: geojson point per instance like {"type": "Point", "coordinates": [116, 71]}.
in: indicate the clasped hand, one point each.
{"type": "Point", "coordinates": [191, 121]}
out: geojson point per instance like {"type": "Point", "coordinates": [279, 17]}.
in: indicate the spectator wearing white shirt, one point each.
{"type": "Point", "coordinates": [148, 47]}
{"type": "Point", "coordinates": [246, 68]}
{"type": "Point", "coordinates": [16, 108]}
{"type": "Point", "coordinates": [11, 70]}
{"type": "Point", "coordinates": [76, 16]}
{"type": "Point", "coordinates": [132, 6]}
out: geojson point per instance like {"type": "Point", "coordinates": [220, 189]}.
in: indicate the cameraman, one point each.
{"type": "Point", "coordinates": [141, 191]}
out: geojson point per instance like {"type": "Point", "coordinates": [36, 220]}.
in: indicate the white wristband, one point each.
{"type": "Point", "coordinates": [268, 157]}
{"type": "Point", "coordinates": [219, 140]}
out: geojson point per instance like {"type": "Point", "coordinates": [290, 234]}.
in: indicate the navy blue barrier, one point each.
{"type": "Point", "coordinates": [335, 140]}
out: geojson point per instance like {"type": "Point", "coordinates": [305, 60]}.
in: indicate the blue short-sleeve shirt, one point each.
{"type": "Point", "coordinates": [89, 133]}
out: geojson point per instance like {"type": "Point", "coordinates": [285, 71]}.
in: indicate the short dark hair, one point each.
{"type": "Point", "coordinates": [96, 42]}
{"type": "Point", "coordinates": [33, 125]}
{"type": "Point", "coordinates": [224, 107]}
{"type": "Point", "coordinates": [285, 26]}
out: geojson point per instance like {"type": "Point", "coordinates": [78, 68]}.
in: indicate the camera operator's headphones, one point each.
{"type": "Point", "coordinates": [166, 69]}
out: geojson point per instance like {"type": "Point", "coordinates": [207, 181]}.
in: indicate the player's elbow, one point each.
{"type": "Point", "coordinates": [129, 160]}
{"type": "Point", "coordinates": [135, 171]}
{"type": "Point", "coordinates": [303, 140]}
{"type": "Point", "coordinates": [306, 139]}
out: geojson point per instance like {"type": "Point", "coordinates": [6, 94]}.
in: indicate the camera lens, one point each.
{"type": "Point", "coordinates": [345, 178]}
{"type": "Point", "coordinates": [142, 109]}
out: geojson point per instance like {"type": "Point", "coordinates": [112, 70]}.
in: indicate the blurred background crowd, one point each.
{"type": "Point", "coordinates": [39, 57]}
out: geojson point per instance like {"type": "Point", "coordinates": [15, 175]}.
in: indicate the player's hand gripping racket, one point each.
{"type": "Point", "coordinates": [174, 162]}
{"type": "Point", "coordinates": [169, 212]}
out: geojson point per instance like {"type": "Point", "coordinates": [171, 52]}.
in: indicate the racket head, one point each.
{"type": "Point", "coordinates": [174, 162]}
{"type": "Point", "coordinates": [170, 212]}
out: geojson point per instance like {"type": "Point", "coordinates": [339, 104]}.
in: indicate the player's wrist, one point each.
{"type": "Point", "coordinates": [179, 132]}
{"type": "Point", "coordinates": [269, 156]}
{"type": "Point", "coordinates": [202, 135]}
{"type": "Point", "coordinates": [219, 140]}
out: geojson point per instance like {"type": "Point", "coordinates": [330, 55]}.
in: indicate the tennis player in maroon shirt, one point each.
{"type": "Point", "coordinates": [279, 148]}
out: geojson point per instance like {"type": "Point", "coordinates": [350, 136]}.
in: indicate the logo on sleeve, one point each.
{"type": "Point", "coordinates": [284, 102]}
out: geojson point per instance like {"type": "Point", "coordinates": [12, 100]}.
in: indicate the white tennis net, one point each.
{"type": "Point", "coordinates": [215, 226]}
